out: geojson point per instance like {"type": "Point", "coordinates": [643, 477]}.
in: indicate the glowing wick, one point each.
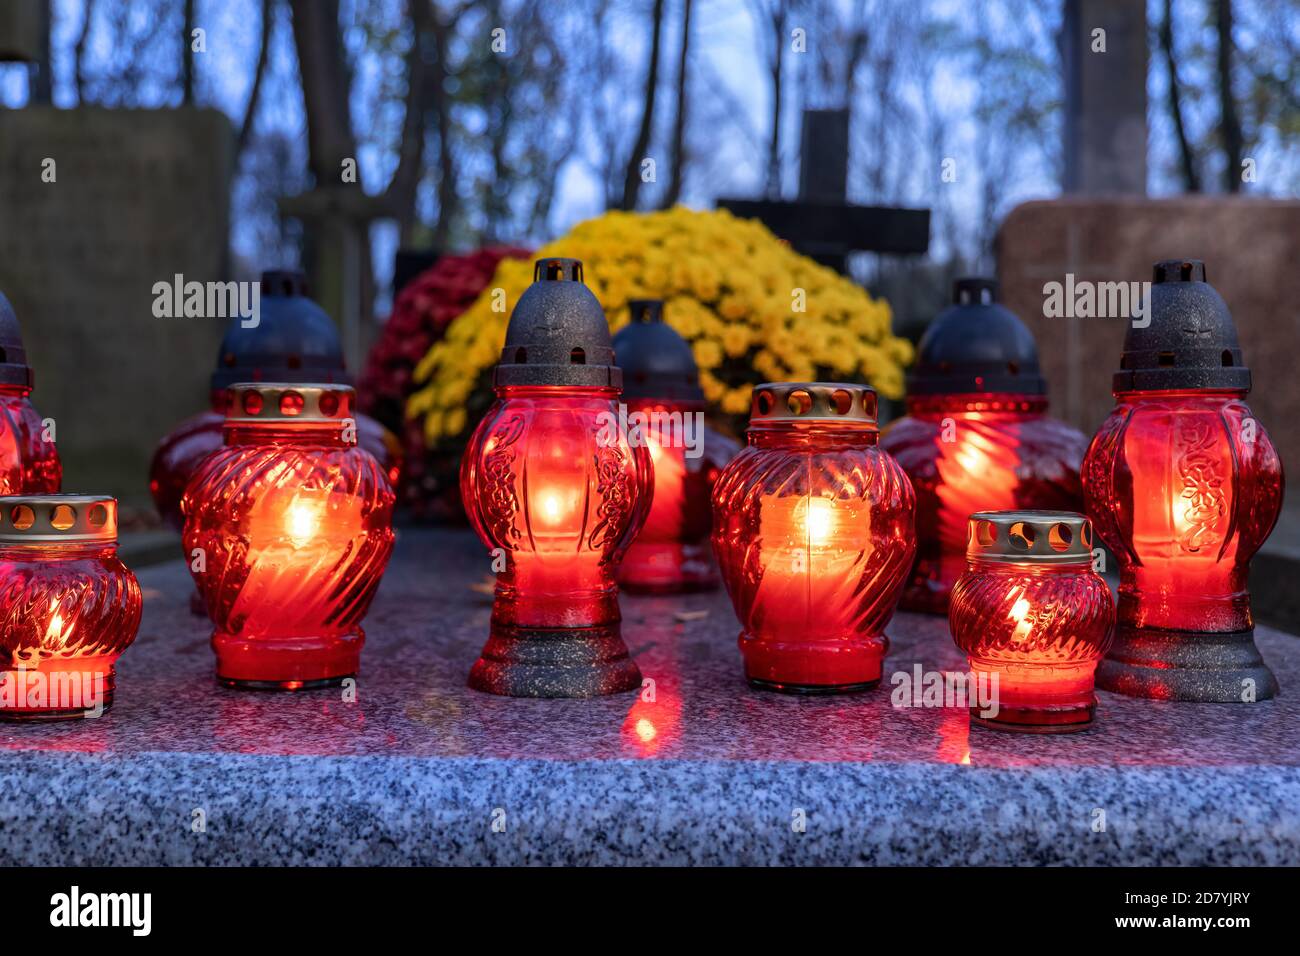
{"type": "Point", "coordinates": [1018, 612]}
{"type": "Point", "coordinates": [300, 523]}
{"type": "Point", "coordinates": [54, 636]}
{"type": "Point", "coordinates": [820, 521]}
{"type": "Point", "coordinates": [552, 507]}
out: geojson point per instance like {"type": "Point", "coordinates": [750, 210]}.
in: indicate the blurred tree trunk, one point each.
{"type": "Point", "coordinates": [1191, 180]}
{"type": "Point", "coordinates": [263, 52]}
{"type": "Point", "coordinates": [678, 157]}
{"type": "Point", "coordinates": [402, 188]}
{"type": "Point", "coordinates": [325, 87]}
{"type": "Point", "coordinates": [187, 55]}
{"type": "Point", "coordinates": [448, 198]}
{"type": "Point", "coordinates": [632, 180]}
{"type": "Point", "coordinates": [1229, 122]}
{"type": "Point", "coordinates": [776, 64]}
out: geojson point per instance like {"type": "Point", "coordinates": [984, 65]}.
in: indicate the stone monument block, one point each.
{"type": "Point", "coordinates": [97, 206]}
{"type": "Point", "coordinates": [1249, 249]}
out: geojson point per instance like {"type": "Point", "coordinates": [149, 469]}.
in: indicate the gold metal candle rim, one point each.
{"type": "Point", "coordinates": [1029, 537]}
{"type": "Point", "coordinates": [836, 402]}
{"type": "Point", "coordinates": [272, 394]}
{"type": "Point", "coordinates": [57, 519]}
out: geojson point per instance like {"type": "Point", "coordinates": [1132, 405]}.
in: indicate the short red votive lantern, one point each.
{"type": "Point", "coordinates": [812, 526]}
{"type": "Point", "coordinates": [665, 409]}
{"type": "Point", "coordinates": [288, 529]}
{"type": "Point", "coordinates": [293, 341]}
{"type": "Point", "coordinates": [29, 460]}
{"type": "Point", "coordinates": [1033, 619]}
{"type": "Point", "coordinates": [1184, 485]}
{"type": "Point", "coordinates": [68, 606]}
{"type": "Point", "coordinates": [556, 492]}
{"type": "Point", "coordinates": [977, 435]}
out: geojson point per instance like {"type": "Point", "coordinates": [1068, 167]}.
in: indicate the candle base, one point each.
{"type": "Point", "coordinates": [1206, 667]}
{"type": "Point", "coordinates": [57, 690]}
{"type": "Point", "coordinates": [811, 690]}
{"type": "Point", "coordinates": [287, 664]}
{"type": "Point", "coordinates": [847, 666]}
{"type": "Point", "coordinates": [549, 662]}
{"type": "Point", "coordinates": [1038, 720]}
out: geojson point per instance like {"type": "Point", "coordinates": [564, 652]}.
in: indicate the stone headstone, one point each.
{"type": "Point", "coordinates": [1104, 56]}
{"type": "Point", "coordinates": [1248, 246]}
{"type": "Point", "coordinates": [96, 206]}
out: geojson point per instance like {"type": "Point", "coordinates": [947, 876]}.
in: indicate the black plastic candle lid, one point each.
{"type": "Point", "coordinates": [1191, 341]}
{"type": "Point", "coordinates": [976, 345]}
{"type": "Point", "coordinates": [656, 361]}
{"type": "Point", "coordinates": [558, 334]}
{"type": "Point", "coordinates": [294, 340]}
{"type": "Point", "coordinates": [14, 369]}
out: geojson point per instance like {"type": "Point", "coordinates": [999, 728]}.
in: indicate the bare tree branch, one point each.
{"type": "Point", "coordinates": [632, 180]}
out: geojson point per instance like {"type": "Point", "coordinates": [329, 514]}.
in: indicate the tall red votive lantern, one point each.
{"type": "Point", "coordinates": [556, 492]}
{"type": "Point", "coordinates": [288, 530]}
{"type": "Point", "coordinates": [665, 408]}
{"type": "Point", "coordinates": [1184, 485]}
{"type": "Point", "coordinates": [977, 435]}
{"type": "Point", "coordinates": [1033, 619]}
{"type": "Point", "coordinates": [68, 606]}
{"type": "Point", "coordinates": [294, 341]}
{"type": "Point", "coordinates": [29, 464]}
{"type": "Point", "coordinates": [812, 527]}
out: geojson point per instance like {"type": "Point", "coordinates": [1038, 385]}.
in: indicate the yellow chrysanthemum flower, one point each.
{"type": "Point", "coordinates": [731, 288]}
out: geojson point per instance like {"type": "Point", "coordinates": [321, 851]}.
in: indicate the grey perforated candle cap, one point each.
{"type": "Point", "coordinates": [14, 369]}
{"type": "Point", "coordinates": [656, 361]}
{"type": "Point", "coordinates": [558, 334]}
{"type": "Point", "coordinates": [1190, 341]}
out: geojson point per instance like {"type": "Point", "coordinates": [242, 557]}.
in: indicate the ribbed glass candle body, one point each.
{"type": "Point", "coordinates": [977, 452]}
{"type": "Point", "coordinates": [813, 530]}
{"type": "Point", "coordinates": [178, 455]}
{"type": "Point", "coordinates": [288, 530]}
{"type": "Point", "coordinates": [1040, 629]}
{"type": "Point", "coordinates": [68, 608]}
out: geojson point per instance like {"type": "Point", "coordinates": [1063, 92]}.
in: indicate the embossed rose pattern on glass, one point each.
{"type": "Point", "coordinates": [1183, 487]}
{"type": "Point", "coordinates": [561, 494]}
{"type": "Point", "coordinates": [28, 463]}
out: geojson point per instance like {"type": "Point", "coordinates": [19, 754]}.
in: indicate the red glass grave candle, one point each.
{"type": "Point", "coordinates": [1031, 611]}
{"type": "Point", "coordinates": [812, 526]}
{"type": "Point", "coordinates": [293, 341]}
{"type": "Point", "coordinates": [28, 463]}
{"type": "Point", "coordinates": [68, 606]}
{"type": "Point", "coordinates": [665, 406]}
{"type": "Point", "coordinates": [977, 436]}
{"type": "Point", "coordinates": [288, 529]}
{"type": "Point", "coordinates": [1184, 485]}
{"type": "Point", "coordinates": [554, 489]}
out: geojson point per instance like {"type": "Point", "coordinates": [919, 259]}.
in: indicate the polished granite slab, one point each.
{"type": "Point", "coordinates": [420, 769]}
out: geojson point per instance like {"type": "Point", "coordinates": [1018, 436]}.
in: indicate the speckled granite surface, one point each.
{"type": "Point", "coordinates": [420, 768]}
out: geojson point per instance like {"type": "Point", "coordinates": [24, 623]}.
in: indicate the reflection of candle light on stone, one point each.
{"type": "Point", "coordinates": [645, 730]}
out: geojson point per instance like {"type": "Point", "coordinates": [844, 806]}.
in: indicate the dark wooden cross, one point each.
{"type": "Point", "coordinates": [821, 224]}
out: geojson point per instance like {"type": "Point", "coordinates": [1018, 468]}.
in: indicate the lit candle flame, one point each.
{"type": "Point", "coordinates": [819, 521]}
{"type": "Point", "coordinates": [54, 636]}
{"type": "Point", "coordinates": [300, 522]}
{"type": "Point", "coordinates": [1019, 611]}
